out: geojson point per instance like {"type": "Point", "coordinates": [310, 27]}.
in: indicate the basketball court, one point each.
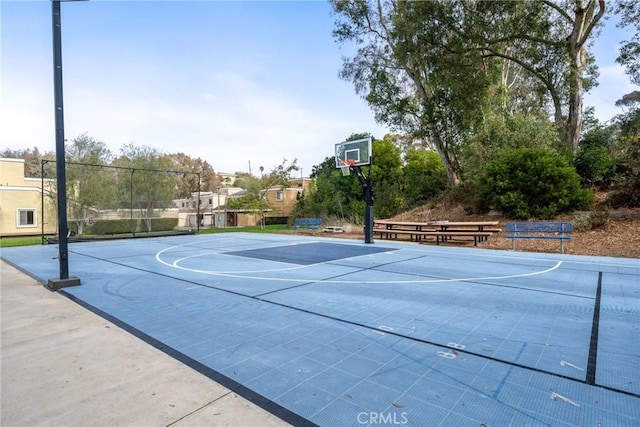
{"type": "Point", "coordinates": [339, 332]}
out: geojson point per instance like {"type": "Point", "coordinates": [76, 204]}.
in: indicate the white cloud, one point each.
{"type": "Point", "coordinates": [269, 102]}
{"type": "Point", "coordinates": [26, 114]}
{"type": "Point", "coordinates": [229, 125]}
{"type": "Point", "coordinates": [613, 84]}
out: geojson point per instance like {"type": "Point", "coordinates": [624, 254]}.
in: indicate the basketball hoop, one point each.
{"type": "Point", "coordinates": [345, 166]}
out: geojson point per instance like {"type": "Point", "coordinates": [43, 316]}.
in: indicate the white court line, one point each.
{"type": "Point", "coordinates": [556, 396]}
{"type": "Point", "coordinates": [176, 264]}
{"type": "Point", "coordinates": [307, 279]}
{"type": "Point", "coordinates": [564, 363]}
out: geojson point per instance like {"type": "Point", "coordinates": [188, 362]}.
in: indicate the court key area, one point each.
{"type": "Point", "coordinates": [336, 332]}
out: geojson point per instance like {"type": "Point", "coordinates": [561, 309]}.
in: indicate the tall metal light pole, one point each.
{"type": "Point", "coordinates": [63, 253]}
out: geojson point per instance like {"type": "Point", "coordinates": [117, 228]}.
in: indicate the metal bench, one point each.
{"type": "Point", "coordinates": [307, 224]}
{"type": "Point", "coordinates": [538, 230]}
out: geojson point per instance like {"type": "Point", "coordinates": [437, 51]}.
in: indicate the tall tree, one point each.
{"type": "Point", "coordinates": [151, 182]}
{"type": "Point", "coordinates": [91, 186]}
{"type": "Point", "coordinates": [428, 69]}
{"type": "Point", "coordinates": [86, 149]}
{"type": "Point", "coordinates": [549, 40]}
{"type": "Point", "coordinates": [188, 183]}
{"type": "Point", "coordinates": [629, 57]}
{"type": "Point", "coordinates": [500, 134]}
{"type": "Point", "coordinates": [581, 19]}
{"type": "Point", "coordinates": [32, 159]}
{"type": "Point", "coordinates": [416, 69]}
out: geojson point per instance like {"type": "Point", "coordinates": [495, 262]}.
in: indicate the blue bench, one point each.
{"type": "Point", "coordinates": [538, 230]}
{"type": "Point", "coordinates": [307, 224]}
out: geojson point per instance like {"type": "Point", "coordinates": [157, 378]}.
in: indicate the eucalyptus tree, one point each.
{"type": "Point", "coordinates": [417, 69]}
{"type": "Point", "coordinates": [549, 40]}
{"type": "Point", "coordinates": [581, 19]}
{"type": "Point", "coordinates": [432, 69]}
{"type": "Point", "coordinates": [629, 56]}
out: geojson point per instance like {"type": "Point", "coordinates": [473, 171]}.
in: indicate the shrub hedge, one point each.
{"type": "Point", "coordinates": [123, 226]}
{"type": "Point", "coordinates": [533, 183]}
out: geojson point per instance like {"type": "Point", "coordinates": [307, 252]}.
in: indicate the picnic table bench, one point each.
{"type": "Point", "coordinates": [539, 230]}
{"type": "Point", "coordinates": [307, 224]}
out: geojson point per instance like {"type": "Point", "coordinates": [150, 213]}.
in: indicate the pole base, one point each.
{"type": "Point", "coordinates": [55, 284]}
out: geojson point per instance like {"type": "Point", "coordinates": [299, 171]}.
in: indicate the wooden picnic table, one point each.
{"type": "Point", "coordinates": [436, 225]}
{"type": "Point", "coordinates": [463, 225]}
{"type": "Point", "coordinates": [442, 230]}
{"type": "Point", "coordinates": [406, 225]}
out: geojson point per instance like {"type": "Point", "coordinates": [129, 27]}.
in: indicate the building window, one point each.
{"type": "Point", "coordinates": [27, 218]}
{"type": "Point", "coordinates": [210, 202]}
{"type": "Point", "coordinates": [279, 196]}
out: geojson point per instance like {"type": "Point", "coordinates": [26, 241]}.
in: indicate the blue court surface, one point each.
{"type": "Point", "coordinates": [337, 332]}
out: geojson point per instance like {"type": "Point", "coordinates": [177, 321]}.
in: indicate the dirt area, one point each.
{"type": "Point", "coordinates": [618, 236]}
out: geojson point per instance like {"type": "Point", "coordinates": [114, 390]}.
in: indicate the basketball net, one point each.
{"type": "Point", "coordinates": [345, 166]}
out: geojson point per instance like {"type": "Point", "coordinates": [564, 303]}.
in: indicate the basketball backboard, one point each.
{"type": "Point", "coordinates": [354, 153]}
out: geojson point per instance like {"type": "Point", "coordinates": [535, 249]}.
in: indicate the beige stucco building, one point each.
{"type": "Point", "coordinates": [213, 210]}
{"type": "Point", "coordinates": [21, 202]}
{"type": "Point", "coordinates": [283, 198]}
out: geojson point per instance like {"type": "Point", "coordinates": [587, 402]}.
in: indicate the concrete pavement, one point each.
{"type": "Point", "coordinates": [62, 365]}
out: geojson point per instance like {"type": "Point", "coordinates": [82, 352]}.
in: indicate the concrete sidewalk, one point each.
{"type": "Point", "coordinates": [62, 365]}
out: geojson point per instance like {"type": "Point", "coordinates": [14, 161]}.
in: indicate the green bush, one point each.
{"type": "Point", "coordinates": [164, 224]}
{"type": "Point", "coordinates": [123, 226]}
{"type": "Point", "coordinates": [533, 182]}
{"type": "Point", "coordinates": [424, 177]}
{"type": "Point", "coordinates": [112, 226]}
{"type": "Point", "coordinates": [628, 188]}
{"type": "Point", "coordinates": [276, 220]}
{"type": "Point", "coordinates": [582, 223]}
{"type": "Point", "coordinates": [591, 220]}
{"type": "Point", "coordinates": [594, 165]}
{"type": "Point", "coordinates": [500, 134]}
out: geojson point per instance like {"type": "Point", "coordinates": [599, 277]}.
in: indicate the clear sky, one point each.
{"type": "Point", "coordinates": [234, 83]}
